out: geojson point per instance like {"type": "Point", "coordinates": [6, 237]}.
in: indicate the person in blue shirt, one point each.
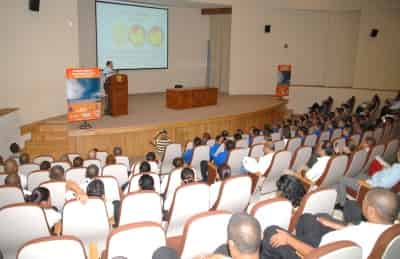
{"type": "Point", "coordinates": [346, 133]}
{"type": "Point", "coordinates": [386, 178]}
{"type": "Point", "coordinates": [219, 140]}
{"type": "Point", "coordinates": [302, 133]}
{"type": "Point", "coordinates": [187, 156]}
{"type": "Point", "coordinates": [222, 157]}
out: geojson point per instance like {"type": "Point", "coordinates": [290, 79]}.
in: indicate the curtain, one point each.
{"type": "Point", "coordinates": [219, 51]}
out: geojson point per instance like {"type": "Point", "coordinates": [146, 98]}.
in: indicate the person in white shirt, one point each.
{"type": "Point", "coordinates": [96, 189]}
{"type": "Point", "coordinates": [41, 197]}
{"type": "Point", "coordinates": [380, 208]}
{"type": "Point", "coordinates": [11, 167]}
{"type": "Point", "coordinates": [91, 172]}
{"type": "Point", "coordinates": [261, 165]}
{"type": "Point", "coordinates": [324, 151]}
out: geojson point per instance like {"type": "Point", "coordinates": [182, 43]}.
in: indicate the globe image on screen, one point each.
{"type": "Point", "coordinates": [155, 36]}
{"type": "Point", "coordinates": [119, 31]}
{"type": "Point", "coordinates": [136, 35]}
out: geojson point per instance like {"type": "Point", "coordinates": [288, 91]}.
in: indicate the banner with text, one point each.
{"type": "Point", "coordinates": [83, 94]}
{"type": "Point", "coordinates": [284, 76]}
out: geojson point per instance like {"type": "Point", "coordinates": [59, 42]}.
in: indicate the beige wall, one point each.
{"type": "Point", "coordinates": [37, 47]}
{"type": "Point", "coordinates": [188, 42]}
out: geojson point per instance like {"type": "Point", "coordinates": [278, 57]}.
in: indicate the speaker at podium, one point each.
{"type": "Point", "coordinates": [116, 87]}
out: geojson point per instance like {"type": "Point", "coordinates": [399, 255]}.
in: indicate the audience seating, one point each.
{"type": "Point", "coordinates": [36, 178]}
{"type": "Point", "coordinates": [357, 161]}
{"type": "Point", "coordinates": [334, 171]}
{"type": "Point", "coordinates": [366, 134]}
{"type": "Point", "coordinates": [141, 206]}
{"type": "Point", "coordinates": [337, 133]}
{"type": "Point", "coordinates": [134, 182]}
{"type": "Point", "coordinates": [189, 200]}
{"type": "Point", "coordinates": [96, 162]}
{"type": "Point", "coordinates": [378, 135]}
{"type": "Point", "coordinates": [390, 153]}
{"type": "Point", "coordinates": [293, 144]}
{"type": "Point", "coordinates": [336, 250]}
{"type": "Point", "coordinates": [234, 194]}
{"type": "Point", "coordinates": [242, 143]}
{"type": "Point", "coordinates": [111, 188]}
{"type": "Point", "coordinates": [76, 175]}
{"type": "Point", "coordinates": [118, 171]}
{"type": "Point", "coordinates": [16, 228]}
{"type": "Point", "coordinates": [65, 165]}
{"type": "Point", "coordinates": [258, 140]}
{"type": "Point", "coordinates": [356, 138]}
{"type": "Point", "coordinates": [388, 244]}
{"type": "Point", "coordinates": [57, 192]}
{"type": "Point", "coordinates": [375, 151]}
{"type": "Point", "coordinates": [88, 222]}
{"type": "Point", "coordinates": [319, 201]}
{"type": "Point", "coordinates": [200, 153]}
{"type": "Point", "coordinates": [124, 160]}
{"type": "Point", "coordinates": [72, 156]}
{"type": "Point", "coordinates": [171, 152]}
{"type": "Point", "coordinates": [2, 178]}
{"type": "Point", "coordinates": [276, 136]}
{"type": "Point", "coordinates": [10, 195]}
{"type": "Point", "coordinates": [279, 145]}
{"type": "Point", "coordinates": [275, 211]}
{"type": "Point", "coordinates": [39, 159]}
{"type": "Point", "coordinates": [235, 159]}
{"type": "Point", "coordinates": [257, 150]}
{"type": "Point", "coordinates": [325, 136]}
{"type": "Point", "coordinates": [27, 169]}
{"type": "Point", "coordinates": [300, 158]}
{"type": "Point", "coordinates": [138, 240]}
{"type": "Point", "coordinates": [204, 233]}
{"type": "Point", "coordinates": [339, 144]}
{"type": "Point", "coordinates": [310, 140]}
{"type": "Point", "coordinates": [62, 247]}
{"type": "Point", "coordinates": [102, 156]}
{"type": "Point", "coordinates": [174, 181]}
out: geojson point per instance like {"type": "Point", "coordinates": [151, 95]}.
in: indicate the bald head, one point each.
{"type": "Point", "coordinates": [10, 166]}
{"type": "Point", "coordinates": [13, 180]}
{"type": "Point", "coordinates": [385, 203]}
{"type": "Point", "coordinates": [24, 159]}
{"type": "Point", "coordinates": [245, 233]}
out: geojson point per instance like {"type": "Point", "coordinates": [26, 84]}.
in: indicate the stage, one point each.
{"type": "Point", "coordinates": [147, 115]}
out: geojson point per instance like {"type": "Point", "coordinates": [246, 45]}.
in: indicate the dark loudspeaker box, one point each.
{"type": "Point", "coordinates": [374, 33]}
{"type": "Point", "coordinates": [34, 5]}
{"type": "Point", "coordinates": [267, 28]}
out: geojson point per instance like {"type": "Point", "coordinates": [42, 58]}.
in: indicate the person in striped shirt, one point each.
{"type": "Point", "coordinates": [160, 142]}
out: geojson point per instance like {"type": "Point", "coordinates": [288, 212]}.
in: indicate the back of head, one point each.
{"type": "Point", "coordinates": [39, 194]}
{"type": "Point", "coordinates": [57, 173]}
{"type": "Point", "coordinates": [77, 162]}
{"type": "Point", "coordinates": [150, 156]}
{"type": "Point", "coordinates": [13, 180]}
{"type": "Point", "coordinates": [178, 162]}
{"type": "Point", "coordinates": [24, 159]}
{"type": "Point", "coordinates": [291, 188]}
{"type": "Point", "coordinates": [14, 148]}
{"type": "Point", "coordinates": [45, 165]}
{"type": "Point", "coordinates": [10, 166]}
{"type": "Point", "coordinates": [95, 189]}
{"type": "Point", "coordinates": [146, 183]}
{"type": "Point", "coordinates": [224, 171]}
{"type": "Point", "coordinates": [229, 145]}
{"type": "Point", "coordinates": [225, 133]}
{"type": "Point", "coordinates": [328, 148]}
{"type": "Point", "coordinates": [196, 142]}
{"type": "Point", "coordinates": [237, 136]}
{"type": "Point", "coordinates": [384, 202]}
{"type": "Point", "coordinates": [117, 151]}
{"type": "Point", "coordinates": [110, 160]}
{"type": "Point", "coordinates": [244, 235]}
{"type": "Point", "coordinates": [144, 167]}
{"type": "Point", "coordinates": [92, 154]}
{"type": "Point", "coordinates": [187, 175]}
{"type": "Point", "coordinates": [92, 171]}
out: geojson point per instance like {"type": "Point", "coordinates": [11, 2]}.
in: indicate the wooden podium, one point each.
{"type": "Point", "coordinates": [117, 91]}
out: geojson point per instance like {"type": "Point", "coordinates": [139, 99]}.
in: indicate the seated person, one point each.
{"type": "Point", "coordinates": [205, 138]}
{"type": "Point", "coordinates": [110, 160]}
{"type": "Point", "coordinates": [117, 151]}
{"type": "Point", "coordinates": [77, 162]}
{"type": "Point", "coordinates": [254, 132]}
{"type": "Point", "coordinates": [15, 151]}
{"type": "Point", "coordinates": [187, 155]}
{"type": "Point", "coordinates": [386, 178]}
{"type": "Point", "coordinates": [244, 239]}
{"type": "Point", "coordinates": [324, 152]}
{"type": "Point", "coordinates": [15, 181]}
{"type": "Point", "coordinates": [260, 165]}
{"type": "Point", "coordinates": [92, 154]}
{"type": "Point", "coordinates": [367, 143]}
{"type": "Point", "coordinates": [219, 140]}
{"type": "Point", "coordinates": [346, 133]}
{"type": "Point", "coordinates": [91, 173]}
{"type": "Point", "coordinates": [151, 159]}
{"type": "Point", "coordinates": [45, 166]}
{"type": "Point", "coordinates": [224, 172]}
{"type": "Point", "coordinates": [24, 159]}
{"type": "Point", "coordinates": [291, 188]}
{"type": "Point", "coordinates": [11, 167]}
{"type": "Point", "coordinates": [96, 189]}
{"type": "Point", "coordinates": [380, 208]}
{"type": "Point", "coordinates": [41, 197]}
{"type": "Point", "coordinates": [222, 157]}
{"type": "Point", "coordinates": [72, 189]}
{"type": "Point", "coordinates": [145, 167]}
{"type": "Point", "coordinates": [187, 175]}
{"type": "Point", "coordinates": [146, 183]}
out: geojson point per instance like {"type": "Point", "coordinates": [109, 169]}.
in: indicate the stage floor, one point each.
{"type": "Point", "coordinates": [150, 109]}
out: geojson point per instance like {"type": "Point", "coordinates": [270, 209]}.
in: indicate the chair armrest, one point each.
{"type": "Point", "coordinates": [212, 173]}
{"type": "Point", "coordinates": [362, 191]}
{"type": "Point", "coordinates": [254, 181]}
{"type": "Point", "coordinates": [93, 251]}
{"type": "Point", "coordinates": [307, 183]}
{"type": "Point", "coordinates": [57, 229]}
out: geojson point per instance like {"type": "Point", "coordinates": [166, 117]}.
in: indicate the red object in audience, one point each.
{"type": "Point", "coordinates": [374, 167]}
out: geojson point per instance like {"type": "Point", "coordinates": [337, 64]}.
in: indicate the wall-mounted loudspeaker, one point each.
{"type": "Point", "coordinates": [374, 33]}
{"type": "Point", "coordinates": [267, 28]}
{"type": "Point", "coordinates": [34, 5]}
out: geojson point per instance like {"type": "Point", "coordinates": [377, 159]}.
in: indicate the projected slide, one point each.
{"type": "Point", "coordinates": [133, 37]}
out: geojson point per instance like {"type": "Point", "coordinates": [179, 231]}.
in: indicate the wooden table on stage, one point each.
{"type": "Point", "coordinates": [184, 98]}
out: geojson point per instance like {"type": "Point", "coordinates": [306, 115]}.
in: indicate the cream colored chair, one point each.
{"type": "Point", "coordinates": [118, 171]}
{"type": "Point", "coordinates": [39, 159]}
{"type": "Point", "coordinates": [36, 178]}
{"type": "Point", "coordinates": [10, 195]}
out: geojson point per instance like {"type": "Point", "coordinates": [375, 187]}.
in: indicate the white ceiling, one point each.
{"type": "Point", "coordinates": [176, 3]}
